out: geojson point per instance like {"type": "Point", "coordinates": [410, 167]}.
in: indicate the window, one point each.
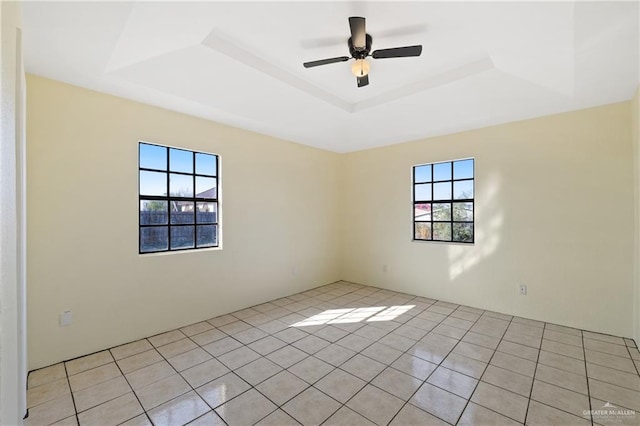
{"type": "Point", "coordinates": [443, 201]}
{"type": "Point", "coordinates": [178, 199]}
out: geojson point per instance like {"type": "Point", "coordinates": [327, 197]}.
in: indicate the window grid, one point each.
{"type": "Point", "coordinates": [461, 210]}
{"type": "Point", "coordinates": [170, 225]}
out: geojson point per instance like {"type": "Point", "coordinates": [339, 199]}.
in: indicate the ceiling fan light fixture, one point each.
{"type": "Point", "coordinates": [360, 48]}
{"type": "Point", "coordinates": [360, 68]}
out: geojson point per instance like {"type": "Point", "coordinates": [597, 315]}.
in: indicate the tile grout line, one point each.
{"type": "Point", "coordinates": [353, 356]}
{"type": "Point", "coordinates": [177, 373]}
{"type": "Point", "coordinates": [216, 358]}
{"type": "Point", "coordinates": [566, 371]}
{"type": "Point", "coordinates": [360, 353]}
{"type": "Point", "coordinates": [535, 372]}
{"type": "Point", "coordinates": [451, 351]}
{"type": "Point", "coordinates": [485, 369]}
{"type": "Point", "coordinates": [144, 411]}
{"type": "Point", "coordinates": [586, 373]}
{"type": "Point", "coordinates": [564, 388]}
{"type": "Point", "coordinates": [96, 384]}
{"type": "Point", "coordinates": [278, 406]}
{"type": "Point", "coordinates": [559, 386]}
{"type": "Point", "coordinates": [370, 382]}
{"type": "Point", "coordinates": [73, 399]}
{"type": "Point", "coordinates": [440, 364]}
{"type": "Point", "coordinates": [632, 359]}
{"type": "Point", "coordinates": [287, 344]}
{"type": "Point", "coordinates": [232, 371]}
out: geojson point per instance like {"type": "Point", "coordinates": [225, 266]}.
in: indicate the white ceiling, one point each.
{"type": "Point", "coordinates": [240, 63]}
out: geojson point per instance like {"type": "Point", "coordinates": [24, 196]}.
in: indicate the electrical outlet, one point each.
{"type": "Point", "coordinates": [523, 289]}
{"type": "Point", "coordinates": [384, 268]}
{"type": "Point", "coordinates": [65, 318]}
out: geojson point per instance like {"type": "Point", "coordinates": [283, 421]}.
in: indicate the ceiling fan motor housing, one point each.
{"type": "Point", "coordinates": [360, 53]}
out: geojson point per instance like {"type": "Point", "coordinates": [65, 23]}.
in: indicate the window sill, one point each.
{"type": "Point", "coordinates": [168, 253]}
{"type": "Point", "coordinates": [455, 243]}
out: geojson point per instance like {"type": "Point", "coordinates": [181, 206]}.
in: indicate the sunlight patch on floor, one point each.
{"type": "Point", "coordinates": [351, 315]}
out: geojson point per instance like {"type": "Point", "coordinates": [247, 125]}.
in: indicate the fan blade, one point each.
{"type": "Point", "coordinates": [326, 61]}
{"type": "Point", "coordinates": [402, 31]}
{"type": "Point", "coordinates": [363, 81]}
{"type": "Point", "coordinates": [397, 52]}
{"type": "Point", "coordinates": [358, 32]}
{"type": "Point", "coordinates": [314, 43]}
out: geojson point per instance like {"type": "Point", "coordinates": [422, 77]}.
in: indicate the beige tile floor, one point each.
{"type": "Point", "coordinates": [347, 354]}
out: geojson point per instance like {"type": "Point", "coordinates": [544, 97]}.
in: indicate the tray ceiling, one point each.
{"type": "Point", "coordinates": [240, 63]}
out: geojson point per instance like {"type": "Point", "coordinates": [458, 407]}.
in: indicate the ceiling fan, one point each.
{"type": "Point", "coordinates": [360, 48]}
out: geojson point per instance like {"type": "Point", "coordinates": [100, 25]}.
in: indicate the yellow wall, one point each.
{"type": "Point", "coordinates": [554, 211]}
{"type": "Point", "coordinates": [554, 203]}
{"type": "Point", "coordinates": [279, 213]}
